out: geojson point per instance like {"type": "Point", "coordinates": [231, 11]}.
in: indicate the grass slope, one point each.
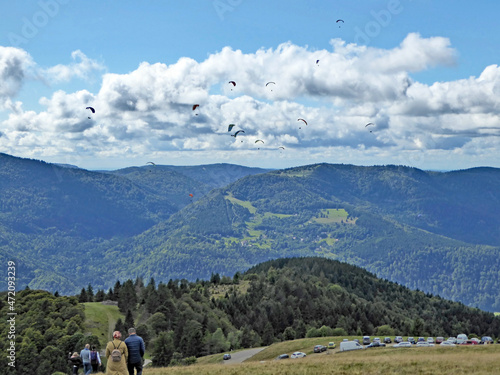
{"type": "Point", "coordinates": [100, 320]}
{"type": "Point", "coordinates": [478, 360]}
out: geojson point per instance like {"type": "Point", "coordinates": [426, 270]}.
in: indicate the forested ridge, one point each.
{"type": "Point", "coordinates": [435, 231]}
{"type": "Point", "coordinates": [279, 300]}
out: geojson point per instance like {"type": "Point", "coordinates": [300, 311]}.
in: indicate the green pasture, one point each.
{"type": "Point", "coordinates": [100, 320]}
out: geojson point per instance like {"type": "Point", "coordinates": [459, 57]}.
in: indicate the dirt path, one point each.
{"type": "Point", "coordinates": [242, 355]}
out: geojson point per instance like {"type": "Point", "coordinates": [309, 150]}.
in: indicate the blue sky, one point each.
{"type": "Point", "coordinates": [424, 72]}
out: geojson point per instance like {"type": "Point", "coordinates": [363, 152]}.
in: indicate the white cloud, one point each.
{"type": "Point", "coordinates": [81, 68]}
{"type": "Point", "coordinates": [149, 110]}
{"type": "Point", "coordinates": [14, 65]}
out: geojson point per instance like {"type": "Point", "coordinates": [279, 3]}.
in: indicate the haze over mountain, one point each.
{"type": "Point", "coordinates": [438, 232]}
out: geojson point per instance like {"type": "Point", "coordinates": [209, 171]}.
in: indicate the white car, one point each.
{"type": "Point", "coordinates": [430, 340]}
{"type": "Point", "coordinates": [447, 343]}
{"type": "Point", "coordinates": [424, 343]}
{"type": "Point", "coordinates": [403, 344]}
{"type": "Point", "coordinates": [298, 355]}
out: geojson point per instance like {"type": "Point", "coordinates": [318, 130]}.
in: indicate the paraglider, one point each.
{"type": "Point", "coordinates": [150, 162]}
{"type": "Point", "coordinates": [274, 83]}
{"type": "Point", "coordinates": [238, 132]}
{"type": "Point", "coordinates": [230, 127]}
{"type": "Point", "coordinates": [191, 195]}
{"type": "Point", "coordinates": [339, 21]}
{"type": "Point", "coordinates": [232, 83]}
{"type": "Point", "coordinates": [92, 110]}
{"type": "Point", "coordinates": [301, 119]}
{"type": "Point", "coordinates": [317, 62]}
{"type": "Point", "coordinates": [259, 140]}
{"type": "Point", "coordinates": [194, 108]}
{"type": "Point", "coordinates": [369, 124]}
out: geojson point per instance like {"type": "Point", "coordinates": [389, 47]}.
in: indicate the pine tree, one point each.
{"type": "Point", "coordinates": [83, 296]}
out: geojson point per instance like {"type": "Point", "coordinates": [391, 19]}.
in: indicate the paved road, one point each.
{"type": "Point", "coordinates": [238, 357]}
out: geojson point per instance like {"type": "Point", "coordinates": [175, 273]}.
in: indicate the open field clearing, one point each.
{"type": "Point", "coordinates": [477, 360]}
{"type": "Point", "coordinates": [100, 320]}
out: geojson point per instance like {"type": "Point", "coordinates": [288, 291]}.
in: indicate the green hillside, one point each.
{"type": "Point", "coordinates": [100, 320]}
{"type": "Point", "coordinates": [436, 232]}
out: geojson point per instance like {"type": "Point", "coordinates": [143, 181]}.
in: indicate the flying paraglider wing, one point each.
{"type": "Point", "coordinates": [150, 162]}
{"type": "Point", "coordinates": [191, 195]}
{"type": "Point", "coordinates": [259, 140]}
{"type": "Point", "coordinates": [195, 106]}
{"type": "Point", "coordinates": [370, 123]}
{"type": "Point", "coordinates": [270, 83]}
{"type": "Point", "coordinates": [281, 148]}
{"type": "Point", "coordinates": [230, 127]}
{"type": "Point", "coordinates": [238, 132]}
{"type": "Point", "coordinates": [301, 119]}
{"type": "Point", "coordinates": [92, 109]}
{"type": "Point", "coordinates": [232, 83]}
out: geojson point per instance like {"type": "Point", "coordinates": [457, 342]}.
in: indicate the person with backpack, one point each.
{"type": "Point", "coordinates": [136, 349]}
{"type": "Point", "coordinates": [117, 355]}
{"type": "Point", "coordinates": [95, 360]}
{"type": "Point", "coordinates": [85, 356]}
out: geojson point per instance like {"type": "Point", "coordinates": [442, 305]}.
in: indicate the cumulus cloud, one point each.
{"type": "Point", "coordinates": [149, 110]}
{"type": "Point", "coordinates": [14, 65]}
{"type": "Point", "coordinates": [82, 67]}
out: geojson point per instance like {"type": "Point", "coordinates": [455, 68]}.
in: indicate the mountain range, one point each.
{"type": "Point", "coordinates": [438, 232]}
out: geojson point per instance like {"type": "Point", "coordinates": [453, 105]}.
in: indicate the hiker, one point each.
{"type": "Point", "coordinates": [75, 362]}
{"type": "Point", "coordinates": [117, 355]}
{"type": "Point", "coordinates": [95, 360]}
{"type": "Point", "coordinates": [136, 349]}
{"type": "Point", "coordinates": [85, 356]}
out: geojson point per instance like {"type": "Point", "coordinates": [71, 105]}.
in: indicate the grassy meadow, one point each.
{"type": "Point", "coordinates": [100, 320]}
{"type": "Point", "coordinates": [477, 360]}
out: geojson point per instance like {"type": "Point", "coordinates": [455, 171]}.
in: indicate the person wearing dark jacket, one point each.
{"type": "Point", "coordinates": [136, 349]}
{"type": "Point", "coordinates": [75, 362]}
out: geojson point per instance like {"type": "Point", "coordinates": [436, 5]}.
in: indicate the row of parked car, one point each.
{"type": "Point", "coordinates": [355, 344]}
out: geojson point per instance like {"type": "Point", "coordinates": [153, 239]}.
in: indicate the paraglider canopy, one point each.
{"type": "Point", "coordinates": [339, 21]}
{"type": "Point", "coordinates": [194, 108]}
{"type": "Point", "coordinates": [230, 127]}
{"type": "Point", "coordinates": [235, 134]}
{"type": "Point", "coordinates": [92, 110]}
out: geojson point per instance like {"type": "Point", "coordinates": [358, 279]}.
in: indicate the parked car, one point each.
{"type": "Point", "coordinates": [420, 339]}
{"type": "Point", "coordinates": [226, 357]}
{"type": "Point", "coordinates": [366, 340]}
{"type": "Point", "coordinates": [331, 345]}
{"type": "Point", "coordinates": [402, 344]}
{"type": "Point", "coordinates": [283, 356]}
{"type": "Point", "coordinates": [298, 355]}
{"type": "Point", "coordinates": [398, 339]}
{"type": "Point", "coordinates": [350, 345]}
{"type": "Point", "coordinates": [469, 342]}
{"type": "Point", "coordinates": [430, 340]}
{"type": "Point", "coordinates": [411, 339]}
{"type": "Point", "coordinates": [375, 344]}
{"type": "Point", "coordinates": [476, 340]}
{"type": "Point", "coordinates": [486, 340]}
{"type": "Point", "coordinates": [387, 340]}
{"type": "Point", "coordinates": [319, 348]}
{"type": "Point", "coordinates": [439, 339]}
{"type": "Point", "coordinates": [452, 340]}
{"type": "Point", "coordinates": [447, 343]}
{"type": "Point", "coordinates": [424, 343]}
{"type": "Point", "coordinates": [376, 339]}
{"type": "Point", "coordinates": [461, 338]}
